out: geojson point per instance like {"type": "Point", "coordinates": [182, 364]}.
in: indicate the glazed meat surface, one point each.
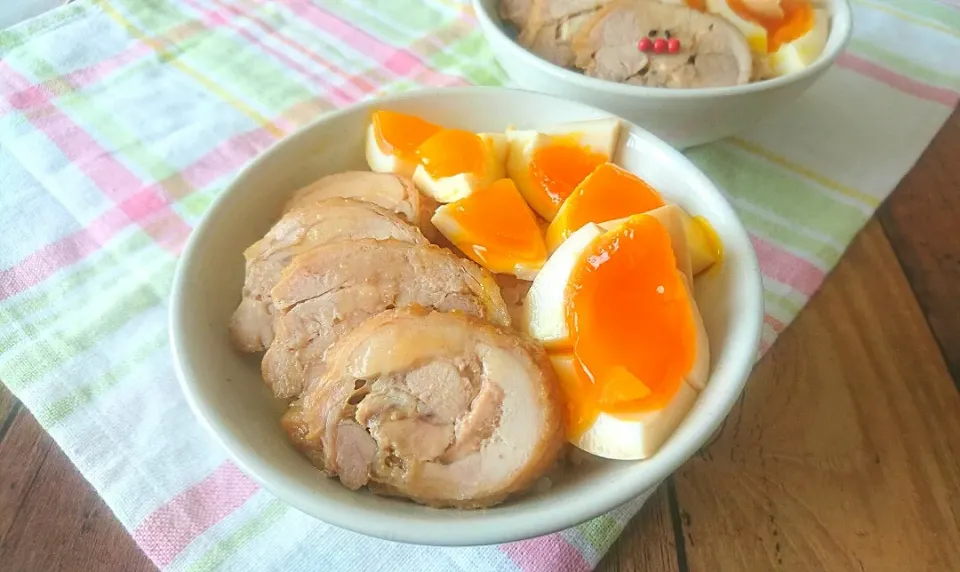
{"type": "Point", "coordinates": [308, 225]}
{"type": "Point", "coordinates": [438, 407]}
{"type": "Point", "coordinates": [714, 52]}
{"type": "Point", "coordinates": [329, 290]}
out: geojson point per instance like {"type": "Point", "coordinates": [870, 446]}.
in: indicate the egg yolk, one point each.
{"type": "Point", "coordinates": [632, 320]}
{"type": "Point", "coordinates": [400, 134]}
{"type": "Point", "coordinates": [608, 193]}
{"type": "Point", "coordinates": [797, 20]}
{"type": "Point", "coordinates": [559, 167]}
{"type": "Point", "coordinates": [497, 229]}
{"type": "Point", "coordinates": [451, 152]}
{"type": "Point", "coordinates": [698, 5]}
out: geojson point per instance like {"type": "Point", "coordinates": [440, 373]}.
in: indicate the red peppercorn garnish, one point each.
{"type": "Point", "coordinates": [645, 45]}
{"type": "Point", "coordinates": [660, 46]}
{"type": "Point", "coordinates": [673, 45]}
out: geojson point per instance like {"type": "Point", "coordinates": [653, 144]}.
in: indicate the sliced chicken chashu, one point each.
{"type": "Point", "coordinates": [307, 226]}
{"type": "Point", "coordinates": [387, 190]}
{"type": "Point", "coordinates": [713, 52]}
{"type": "Point", "coordinates": [548, 26]}
{"type": "Point", "coordinates": [441, 408]}
{"type": "Point", "coordinates": [515, 11]}
{"type": "Point", "coordinates": [329, 290]}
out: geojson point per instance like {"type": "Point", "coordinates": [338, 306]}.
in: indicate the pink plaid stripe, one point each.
{"type": "Point", "coordinates": [148, 208]}
{"type": "Point", "coordinates": [787, 268]}
{"type": "Point", "coordinates": [225, 158]}
{"type": "Point", "coordinates": [400, 61]}
{"type": "Point", "coordinates": [172, 527]}
{"type": "Point", "coordinates": [216, 19]}
{"type": "Point", "coordinates": [898, 81]}
{"type": "Point", "coordinates": [550, 553]}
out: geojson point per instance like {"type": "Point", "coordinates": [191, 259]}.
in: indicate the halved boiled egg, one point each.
{"type": "Point", "coordinates": [607, 193]}
{"type": "Point", "coordinates": [624, 435]}
{"type": "Point", "coordinates": [453, 163]}
{"type": "Point", "coordinates": [789, 34]}
{"type": "Point", "coordinates": [735, 12]}
{"type": "Point", "coordinates": [695, 243]}
{"type": "Point", "coordinates": [547, 165]}
{"type": "Point", "coordinates": [619, 321]}
{"type": "Point", "coordinates": [393, 139]}
{"type": "Point", "coordinates": [496, 229]}
{"type": "Point", "coordinates": [797, 54]}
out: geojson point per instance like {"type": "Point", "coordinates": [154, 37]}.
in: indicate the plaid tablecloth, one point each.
{"type": "Point", "coordinates": [120, 120]}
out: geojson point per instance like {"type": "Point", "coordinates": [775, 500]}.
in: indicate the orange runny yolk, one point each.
{"type": "Point", "coordinates": [797, 20]}
{"type": "Point", "coordinates": [400, 134]}
{"type": "Point", "coordinates": [452, 151]}
{"type": "Point", "coordinates": [498, 229]}
{"type": "Point", "coordinates": [442, 152]}
{"type": "Point", "coordinates": [559, 167]}
{"type": "Point", "coordinates": [608, 193]}
{"type": "Point", "coordinates": [632, 321]}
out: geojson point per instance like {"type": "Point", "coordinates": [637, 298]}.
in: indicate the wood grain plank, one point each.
{"type": "Point", "coordinates": [921, 219]}
{"type": "Point", "coordinates": [8, 410]}
{"type": "Point", "coordinates": [50, 517]}
{"type": "Point", "coordinates": [22, 452]}
{"type": "Point", "coordinates": [647, 543]}
{"type": "Point", "coordinates": [842, 454]}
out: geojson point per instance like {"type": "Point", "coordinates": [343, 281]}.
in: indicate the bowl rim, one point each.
{"type": "Point", "coordinates": [841, 24]}
{"type": "Point", "coordinates": [451, 531]}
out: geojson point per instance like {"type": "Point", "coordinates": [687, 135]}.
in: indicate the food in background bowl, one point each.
{"type": "Point", "coordinates": [673, 43]}
{"type": "Point", "coordinates": [408, 374]}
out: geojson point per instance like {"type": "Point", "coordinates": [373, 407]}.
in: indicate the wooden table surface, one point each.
{"type": "Point", "coordinates": [843, 454]}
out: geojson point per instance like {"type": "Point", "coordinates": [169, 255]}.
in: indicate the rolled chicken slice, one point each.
{"type": "Point", "coordinates": [712, 51]}
{"type": "Point", "coordinates": [441, 408]}
{"type": "Point", "coordinates": [550, 25]}
{"type": "Point", "coordinates": [329, 290]}
{"type": "Point", "coordinates": [299, 230]}
{"type": "Point", "coordinates": [386, 190]}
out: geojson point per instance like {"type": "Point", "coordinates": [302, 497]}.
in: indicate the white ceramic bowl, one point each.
{"type": "Point", "coordinates": [682, 117]}
{"type": "Point", "coordinates": [225, 390]}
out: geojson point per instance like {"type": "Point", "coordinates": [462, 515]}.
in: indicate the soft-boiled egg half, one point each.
{"type": "Point", "coordinates": [496, 229]}
{"type": "Point", "coordinates": [607, 193]}
{"type": "Point", "coordinates": [454, 163]}
{"type": "Point", "coordinates": [548, 164]}
{"type": "Point", "coordinates": [614, 307]}
{"type": "Point", "coordinates": [695, 243]}
{"type": "Point", "coordinates": [789, 34]}
{"type": "Point", "coordinates": [445, 164]}
{"type": "Point", "coordinates": [736, 13]}
{"type": "Point", "coordinates": [797, 54]}
{"type": "Point", "coordinates": [393, 139]}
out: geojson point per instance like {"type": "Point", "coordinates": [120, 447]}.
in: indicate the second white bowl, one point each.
{"type": "Point", "coordinates": [682, 117]}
